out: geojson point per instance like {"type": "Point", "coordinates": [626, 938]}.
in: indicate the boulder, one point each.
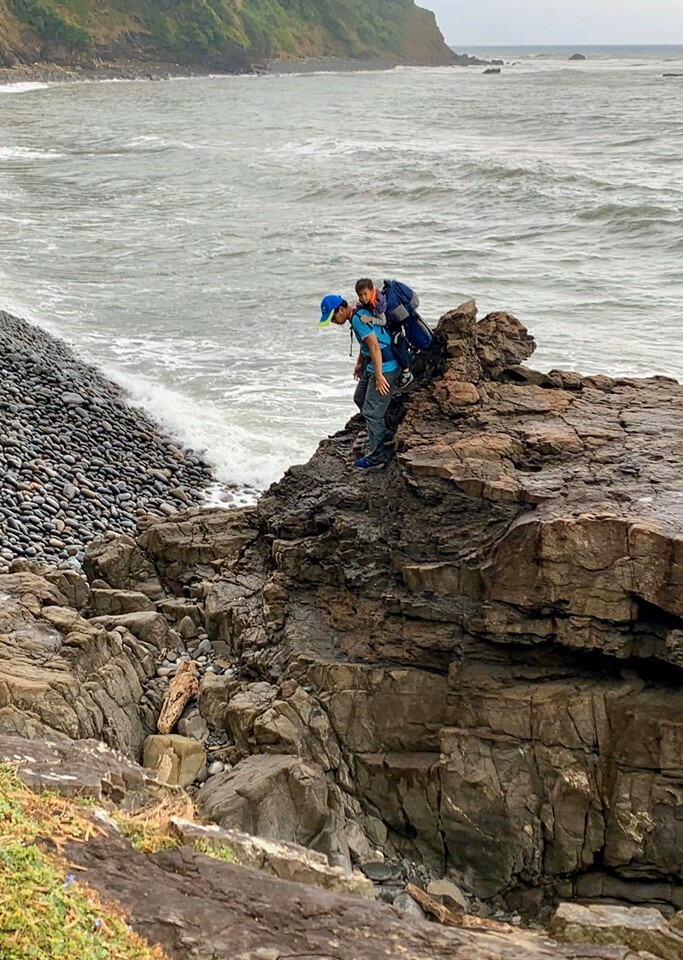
{"type": "Point", "coordinates": [195, 905]}
{"type": "Point", "coordinates": [643, 930]}
{"type": "Point", "coordinates": [288, 861]}
{"type": "Point", "coordinates": [191, 541]}
{"type": "Point", "coordinates": [121, 564]}
{"type": "Point", "coordinates": [63, 677]}
{"type": "Point", "coordinates": [83, 769]}
{"type": "Point", "coordinates": [470, 661]}
{"type": "Point", "coordinates": [214, 694]}
{"type": "Point", "coordinates": [277, 797]}
{"type": "Point", "coordinates": [114, 602]}
{"type": "Point", "coordinates": [176, 760]}
{"type": "Point", "coordinates": [449, 894]}
{"type": "Point", "coordinates": [149, 627]}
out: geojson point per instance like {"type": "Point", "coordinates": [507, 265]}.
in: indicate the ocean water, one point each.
{"type": "Point", "coordinates": [181, 234]}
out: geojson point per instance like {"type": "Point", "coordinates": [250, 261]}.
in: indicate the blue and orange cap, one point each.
{"type": "Point", "coordinates": [330, 303]}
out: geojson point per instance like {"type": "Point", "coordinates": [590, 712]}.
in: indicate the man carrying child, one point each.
{"type": "Point", "coordinates": [377, 372]}
{"type": "Point", "coordinates": [375, 301]}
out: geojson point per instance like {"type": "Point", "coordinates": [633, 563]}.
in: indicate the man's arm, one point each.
{"type": "Point", "coordinates": [358, 369]}
{"type": "Point", "coordinates": [381, 381]}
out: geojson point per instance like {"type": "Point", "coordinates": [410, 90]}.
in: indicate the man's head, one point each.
{"type": "Point", "coordinates": [365, 289]}
{"type": "Point", "coordinates": [334, 309]}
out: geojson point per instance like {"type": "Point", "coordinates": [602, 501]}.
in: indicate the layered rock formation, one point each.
{"type": "Point", "coordinates": [481, 644]}
{"type": "Point", "coordinates": [469, 659]}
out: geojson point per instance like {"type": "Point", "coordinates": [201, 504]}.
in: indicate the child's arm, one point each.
{"type": "Point", "coordinates": [380, 308]}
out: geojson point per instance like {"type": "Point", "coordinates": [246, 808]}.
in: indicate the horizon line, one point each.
{"type": "Point", "coordinates": [573, 43]}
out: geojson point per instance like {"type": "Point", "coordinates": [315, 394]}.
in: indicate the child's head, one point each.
{"type": "Point", "coordinates": [365, 289]}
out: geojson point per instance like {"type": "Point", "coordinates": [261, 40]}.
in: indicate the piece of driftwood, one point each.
{"type": "Point", "coordinates": [452, 918]}
{"type": "Point", "coordinates": [183, 687]}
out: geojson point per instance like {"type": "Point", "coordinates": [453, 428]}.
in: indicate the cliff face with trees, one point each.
{"type": "Point", "coordinates": [230, 34]}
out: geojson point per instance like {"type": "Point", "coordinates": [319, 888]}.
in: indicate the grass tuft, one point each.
{"type": "Point", "coordinates": [218, 853]}
{"type": "Point", "coordinates": [45, 911]}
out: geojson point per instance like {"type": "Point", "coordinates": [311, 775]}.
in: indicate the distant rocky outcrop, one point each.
{"type": "Point", "coordinates": [467, 664]}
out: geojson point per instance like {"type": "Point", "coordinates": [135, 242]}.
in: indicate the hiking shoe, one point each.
{"type": "Point", "coordinates": [365, 463]}
{"type": "Point", "coordinates": [405, 380]}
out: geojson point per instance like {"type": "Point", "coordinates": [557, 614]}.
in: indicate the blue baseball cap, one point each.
{"type": "Point", "coordinates": [327, 308]}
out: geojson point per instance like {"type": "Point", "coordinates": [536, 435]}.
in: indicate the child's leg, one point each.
{"type": "Point", "coordinates": [401, 350]}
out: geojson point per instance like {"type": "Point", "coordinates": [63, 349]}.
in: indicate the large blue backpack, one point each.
{"type": "Point", "coordinates": [402, 304]}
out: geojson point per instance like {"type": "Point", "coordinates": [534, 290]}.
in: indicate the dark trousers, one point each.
{"type": "Point", "coordinates": [374, 406]}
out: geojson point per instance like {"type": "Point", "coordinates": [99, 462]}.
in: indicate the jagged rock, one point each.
{"type": "Point", "coordinates": [176, 760]}
{"type": "Point", "coordinates": [277, 797]}
{"type": "Point", "coordinates": [462, 619]}
{"type": "Point", "coordinates": [65, 677]}
{"type": "Point", "coordinates": [476, 650]}
{"type": "Point", "coordinates": [279, 859]}
{"type": "Point", "coordinates": [194, 540]}
{"type": "Point", "coordinates": [83, 769]}
{"type": "Point", "coordinates": [121, 564]}
{"type": "Point", "coordinates": [640, 928]}
{"type": "Point", "coordinates": [105, 602]}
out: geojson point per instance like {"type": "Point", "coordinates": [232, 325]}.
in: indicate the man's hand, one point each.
{"type": "Point", "coordinates": [382, 384]}
{"type": "Point", "coordinates": [358, 369]}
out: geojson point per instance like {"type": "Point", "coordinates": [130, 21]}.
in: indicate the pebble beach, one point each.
{"type": "Point", "coordinates": [76, 458]}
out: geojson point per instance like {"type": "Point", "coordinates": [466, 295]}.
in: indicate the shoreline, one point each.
{"type": "Point", "coordinates": [77, 459]}
{"type": "Point", "coordinates": [46, 72]}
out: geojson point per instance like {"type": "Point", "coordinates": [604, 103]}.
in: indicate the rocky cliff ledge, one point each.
{"type": "Point", "coordinates": [470, 660]}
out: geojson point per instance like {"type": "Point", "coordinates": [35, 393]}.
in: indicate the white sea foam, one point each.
{"type": "Point", "coordinates": [27, 153]}
{"type": "Point", "coordinates": [22, 87]}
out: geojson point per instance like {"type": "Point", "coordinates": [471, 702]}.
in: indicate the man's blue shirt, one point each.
{"type": "Point", "coordinates": [363, 327]}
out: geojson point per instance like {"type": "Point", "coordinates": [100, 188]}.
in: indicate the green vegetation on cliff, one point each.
{"type": "Point", "coordinates": [235, 32]}
{"type": "Point", "coordinates": [44, 911]}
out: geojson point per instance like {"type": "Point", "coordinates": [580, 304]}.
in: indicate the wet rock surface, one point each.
{"type": "Point", "coordinates": [75, 458]}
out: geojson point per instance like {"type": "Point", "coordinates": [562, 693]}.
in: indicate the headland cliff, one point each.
{"type": "Point", "coordinates": [143, 37]}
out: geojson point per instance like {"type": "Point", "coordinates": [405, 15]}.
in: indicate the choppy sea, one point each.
{"type": "Point", "coordinates": [181, 233]}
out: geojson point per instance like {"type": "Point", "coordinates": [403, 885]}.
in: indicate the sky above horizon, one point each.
{"type": "Point", "coordinates": [536, 22]}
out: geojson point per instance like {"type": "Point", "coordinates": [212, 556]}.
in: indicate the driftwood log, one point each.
{"type": "Point", "coordinates": [183, 687]}
{"type": "Point", "coordinates": [454, 918]}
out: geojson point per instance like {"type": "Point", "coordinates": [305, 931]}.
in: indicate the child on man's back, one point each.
{"type": "Point", "coordinates": [376, 302]}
